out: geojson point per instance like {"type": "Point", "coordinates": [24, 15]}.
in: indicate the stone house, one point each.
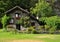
{"type": "Point", "coordinates": [16, 13]}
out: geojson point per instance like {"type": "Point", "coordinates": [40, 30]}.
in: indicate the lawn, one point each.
{"type": "Point", "coordinates": [9, 36]}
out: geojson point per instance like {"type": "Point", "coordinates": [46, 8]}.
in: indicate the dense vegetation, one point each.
{"type": "Point", "coordinates": [39, 8]}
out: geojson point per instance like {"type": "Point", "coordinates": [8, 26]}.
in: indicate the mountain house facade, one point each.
{"type": "Point", "coordinates": [16, 13]}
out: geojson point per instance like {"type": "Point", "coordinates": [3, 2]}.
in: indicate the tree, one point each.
{"type": "Point", "coordinates": [26, 4]}
{"type": "Point", "coordinates": [32, 3]}
{"type": "Point", "coordinates": [42, 9]}
{"type": "Point", "coordinates": [2, 7]}
{"type": "Point", "coordinates": [4, 21]}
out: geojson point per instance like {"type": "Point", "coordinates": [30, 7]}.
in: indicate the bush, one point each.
{"type": "Point", "coordinates": [47, 27]}
{"type": "Point", "coordinates": [4, 21]}
{"type": "Point", "coordinates": [52, 23]}
{"type": "Point", "coordinates": [32, 30]}
{"type": "Point", "coordinates": [52, 30]}
{"type": "Point", "coordinates": [58, 23]}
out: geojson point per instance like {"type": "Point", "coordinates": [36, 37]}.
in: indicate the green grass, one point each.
{"type": "Point", "coordinates": [44, 37]}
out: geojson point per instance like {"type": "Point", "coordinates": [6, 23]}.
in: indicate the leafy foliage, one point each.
{"type": "Point", "coordinates": [52, 23]}
{"type": "Point", "coordinates": [4, 21]}
{"type": "Point", "coordinates": [42, 9]}
{"type": "Point", "coordinates": [24, 21]}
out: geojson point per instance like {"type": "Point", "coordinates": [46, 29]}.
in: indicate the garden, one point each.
{"type": "Point", "coordinates": [49, 21]}
{"type": "Point", "coordinates": [43, 11]}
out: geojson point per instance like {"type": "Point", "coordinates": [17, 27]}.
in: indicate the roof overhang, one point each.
{"type": "Point", "coordinates": [17, 7]}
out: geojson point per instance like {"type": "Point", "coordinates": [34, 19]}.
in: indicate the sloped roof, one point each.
{"type": "Point", "coordinates": [17, 7]}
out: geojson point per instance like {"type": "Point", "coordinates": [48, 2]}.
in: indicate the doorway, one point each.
{"type": "Point", "coordinates": [18, 27]}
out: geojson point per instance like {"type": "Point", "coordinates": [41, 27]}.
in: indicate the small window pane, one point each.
{"type": "Point", "coordinates": [11, 21]}
{"type": "Point", "coordinates": [17, 15]}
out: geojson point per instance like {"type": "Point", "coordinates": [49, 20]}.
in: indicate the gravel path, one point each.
{"type": "Point", "coordinates": [26, 41]}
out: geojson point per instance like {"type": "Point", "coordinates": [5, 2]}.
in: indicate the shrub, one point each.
{"type": "Point", "coordinates": [58, 23]}
{"type": "Point", "coordinates": [52, 30]}
{"type": "Point", "coordinates": [31, 30]}
{"type": "Point", "coordinates": [47, 27]}
{"type": "Point", "coordinates": [52, 23]}
{"type": "Point", "coordinates": [4, 21]}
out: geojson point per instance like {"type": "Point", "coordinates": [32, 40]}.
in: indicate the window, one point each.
{"type": "Point", "coordinates": [37, 17]}
{"type": "Point", "coordinates": [17, 15]}
{"type": "Point", "coordinates": [12, 21]}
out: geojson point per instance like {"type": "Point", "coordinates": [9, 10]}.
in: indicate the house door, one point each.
{"type": "Point", "coordinates": [18, 26]}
